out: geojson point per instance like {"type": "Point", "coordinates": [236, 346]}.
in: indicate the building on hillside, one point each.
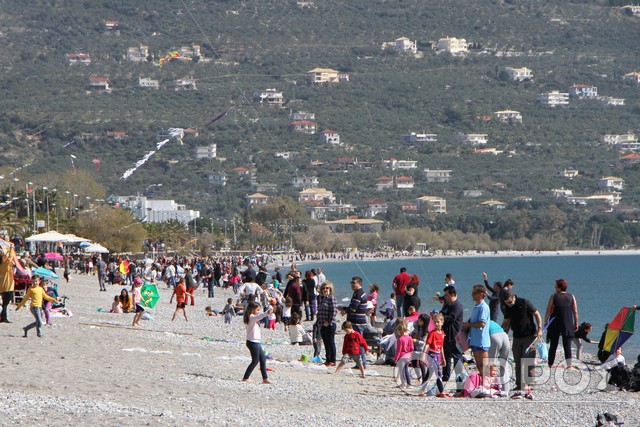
{"type": "Point", "coordinates": [364, 225]}
{"type": "Point", "coordinates": [207, 152]}
{"type": "Point", "coordinates": [437, 175]}
{"type": "Point", "coordinates": [394, 164]}
{"type": "Point", "coordinates": [519, 74]}
{"type": "Point", "coordinates": [625, 141]}
{"type": "Point", "coordinates": [473, 139]}
{"type": "Point", "coordinates": [561, 192]}
{"type": "Point", "coordinates": [116, 134]}
{"type": "Point", "coordinates": [284, 155]}
{"type": "Point", "coordinates": [421, 138]}
{"type": "Point", "coordinates": [319, 76]}
{"type": "Point", "coordinates": [78, 58]}
{"type": "Point", "coordinates": [404, 182]}
{"type": "Point", "coordinates": [384, 183]}
{"type": "Point", "coordinates": [329, 136]}
{"type": "Point", "coordinates": [633, 77]}
{"type": "Point", "coordinates": [302, 115]}
{"type": "Point", "coordinates": [264, 187]}
{"type": "Point", "coordinates": [609, 183]}
{"type": "Point", "coordinates": [583, 91]}
{"type": "Point", "coordinates": [312, 195]}
{"type": "Point", "coordinates": [256, 199]}
{"type": "Point", "coordinates": [431, 204]}
{"type": "Point", "coordinates": [402, 45]}
{"type": "Point", "coordinates": [303, 126]}
{"type": "Point", "coordinates": [191, 51]}
{"type": "Point", "coordinates": [554, 99]}
{"type": "Point", "coordinates": [268, 97]}
{"type": "Point", "coordinates": [408, 208]}
{"type": "Point", "coordinates": [99, 84]}
{"type": "Point", "coordinates": [373, 207]}
{"type": "Point", "coordinates": [494, 204]}
{"type": "Point", "coordinates": [569, 173]}
{"type": "Point", "coordinates": [241, 171]}
{"type": "Point", "coordinates": [630, 159]}
{"type": "Point", "coordinates": [147, 210]}
{"type": "Point", "coordinates": [509, 117]}
{"type": "Point", "coordinates": [475, 193]}
{"type": "Point", "coordinates": [218, 179]}
{"type": "Point", "coordinates": [148, 82]}
{"type": "Point", "coordinates": [185, 83]}
{"type": "Point", "coordinates": [609, 200]}
{"type": "Point", "coordinates": [112, 26]}
{"type": "Point", "coordinates": [611, 101]}
{"type": "Point", "coordinates": [305, 182]}
{"type": "Point", "coordinates": [452, 45]}
{"type": "Point", "coordinates": [138, 53]}
{"type": "Point", "coordinates": [318, 211]}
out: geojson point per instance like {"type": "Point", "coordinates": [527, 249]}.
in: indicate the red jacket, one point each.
{"type": "Point", "coordinates": [353, 342]}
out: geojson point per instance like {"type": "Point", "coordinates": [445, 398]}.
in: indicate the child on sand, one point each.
{"type": "Point", "coordinates": [36, 294]}
{"type": "Point", "coordinates": [271, 318]}
{"type": "Point", "coordinates": [297, 334]}
{"type": "Point", "coordinates": [434, 349]}
{"type": "Point", "coordinates": [353, 340]}
{"type": "Point", "coordinates": [581, 335]}
{"type": "Point", "coordinates": [229, 311]}
{"type": "Point", "coordinates": [404, 348]}
{"type": "Point", "coordinates": [389, 308]}
{"type": "Point", "coordinates": [180, 292]}
{"type": "Point", "coordinates": [115, 305]}
{"type": "Point", "coordinates": [136, 298]}
{"type": "Point", "coordinates": [210, 311]}
{"type": "Point", "coordinates": [286, 313]}
{"type": "Point", "coordinates": [373, 297]}
{"type": "Point", "coordinates": [252, 317]}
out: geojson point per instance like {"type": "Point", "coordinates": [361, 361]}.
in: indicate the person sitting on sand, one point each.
{"type": "Point", "coordinates": [115, 305]}
{"type": "Point", "coordinates": [125, 301]}
{"type": "Point", "coordinates": [210, 311]}
{"type": "Point", "coordinates": [297, 334]}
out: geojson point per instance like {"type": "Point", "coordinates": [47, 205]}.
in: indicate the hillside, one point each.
{"type": "Point", "coordinates": [258, 44]}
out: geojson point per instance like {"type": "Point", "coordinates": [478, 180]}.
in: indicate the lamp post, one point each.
{"type": "Point", "coordinates": [68, 204]}
{"type": "Point", "coordinates": [26, 191]}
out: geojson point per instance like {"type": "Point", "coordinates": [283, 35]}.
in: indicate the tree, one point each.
{"type": "Point", "coordinates": [10, 222]}
{"type": "Point", "coordinates": [115, 229]}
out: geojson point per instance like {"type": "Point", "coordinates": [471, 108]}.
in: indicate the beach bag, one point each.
{"type": "Point", "coordinates": [471, 385]}
{"type": "Point", "coordinates": [543, 350]}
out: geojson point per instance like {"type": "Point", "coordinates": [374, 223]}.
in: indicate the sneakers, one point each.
{"type": "Point", "coordinates": [517, 395]}
{"type": "Point", "coordinates": [528, 396]}
{"type": "Point", "coordinates": [443, 395]}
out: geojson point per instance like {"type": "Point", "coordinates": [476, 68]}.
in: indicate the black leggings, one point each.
{"type": "Point", "coordinates": [553, 346]}
{"type": "Point", "coordinates": [6, 299]}
{"type": "Point", "coordinates": [257, 356]}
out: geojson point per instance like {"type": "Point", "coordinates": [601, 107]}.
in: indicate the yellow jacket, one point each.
{"type": "Point", "coordinates": [6, 271]}
{"type": "Point", "coordinates": [36, 294]}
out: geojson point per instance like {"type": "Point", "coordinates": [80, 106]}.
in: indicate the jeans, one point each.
{"type": "Point", "coordinates": [211, 283]}
{"type": "Point", "coordinates": [328, 334]}
{"type": "Point", "coordinates": [37, 314]}
{"type": "Point", "coordinates": [257, 356]}
{"type": "Point", "coordinates": [400, 305]}
{"type": "Point", "coordinates": [518, 347]}
{"type": "Point", "coordinates": [363, 354]}
{"type": "Point", "coordinates": [6, 299]}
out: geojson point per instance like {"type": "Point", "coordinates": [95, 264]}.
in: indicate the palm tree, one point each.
{"type": "Point", "coordinates": [10, 222]}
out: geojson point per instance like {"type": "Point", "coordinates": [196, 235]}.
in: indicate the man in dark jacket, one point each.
{"type": "Point", "coordinates": [452, 310]}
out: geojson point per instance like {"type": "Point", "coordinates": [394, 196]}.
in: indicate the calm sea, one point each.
{"type": "Point", "coordinates": [601, 284]}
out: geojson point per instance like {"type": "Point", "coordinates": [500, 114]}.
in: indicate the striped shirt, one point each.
{"type": "Point", "coordinates": [357, 310]}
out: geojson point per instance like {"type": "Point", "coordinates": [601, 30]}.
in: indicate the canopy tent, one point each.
{"type": "Point", "coordinates": [72, 238]}
{"type": "Point", "coordinates": [49, 236]}
{"type": "Point", "coordinates": [96, 248]}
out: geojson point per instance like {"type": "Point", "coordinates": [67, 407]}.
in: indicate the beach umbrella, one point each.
{"type": "Point", "coordinates": [97, 248]}
{"type": "Point", "coordinates": [83, 244]}
{"type": "Point", "coordinates": [620, 329]}
{"type": "Point", "coordinates": [150, 295]}
{"type": "Point", "coordinates": [53, 256]}
{"type": "Point", "coordinates": [45, 273]}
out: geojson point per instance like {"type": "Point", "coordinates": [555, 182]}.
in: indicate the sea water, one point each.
{"type": "Point", "coordinates": [602, 284]}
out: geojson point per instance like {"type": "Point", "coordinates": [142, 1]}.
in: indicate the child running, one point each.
{"type": "Point", "coordinates": [353, 340]}
{"type": "Point", "coordinates": [180, 292]}
{"type": "Point", "coordinates": [388, 309]}
{"type": "Point", "coordinates": [36, 294]}
{"type": "Point", "coordinates": [252, 317]}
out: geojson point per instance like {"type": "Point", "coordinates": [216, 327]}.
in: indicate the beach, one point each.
{"type": "Point", "coordinates": [94, 368]}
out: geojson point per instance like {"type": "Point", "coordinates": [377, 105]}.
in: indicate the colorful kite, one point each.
{"type": "Point", "coordinates": [620, 329]}
{"type": "Point", "coordinates": [169, 57]}
{"type": "Point", "coordinates": [177, 133]}
{"type": "Point", "coordinates": [218, 117]}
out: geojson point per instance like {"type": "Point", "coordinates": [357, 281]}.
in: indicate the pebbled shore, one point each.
{"type": "Point", "coordinates": [165, 374]}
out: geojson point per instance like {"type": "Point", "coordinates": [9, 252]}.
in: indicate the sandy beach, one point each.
{"type": "Point", "coordinates": [93, 368]}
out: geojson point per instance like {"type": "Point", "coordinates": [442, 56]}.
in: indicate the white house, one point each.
{"type": "Point", "coordinates": [303, 126]}
{"type": "Point", "coordinates": [633, 77]}
{"type": "Point", "coordinates": [316, 195]}
{"type": "Point", "coordinates": [569, 173]}
{"type": "Point", "coordinates": [420, 138]}
{"type": "Point", "coordinates": [583, 91]}
{"type": "Point", "coordinates": [384, 183]}
{"type": "Point", "coordinates": [452, 45]}
{"type": "Point", "coordinates": [305, 181]}
{"type": "Point", "coordinates": [437, 175]}
{"type": "Point", "coordinates": [373, 207]}
{"type": "Point", "coordinates": [554, 98]}
{"type": "Point", "coordinates": [218, 179]}
{"type": "Point", "coordinates": [402, 45]}
{"type": "Point", "coordinates": [394, 164]}
{"type": "Point", "coordinates": [207, 152]}
{"type": "Point", "coordinates": [472, 193]}
{"type": "Point", "coordinates": [561, 192]}
{"type": "Point", "coordinates": [319, 76]}
{"type": "Point", "coordinates": [611, 101]}
{"type": "Point", "coordinates": [404, 183]}
{"type": "Point", "coordinates": [137, 54]}
{"type": "Point", "coordinates": [432, 204]}
{"type": "Point", "coordinates": [99, 83]}
{"type": "Point", "coordinates": [302, 115]}
{"type": "Point", "coordinates": [519, 74]}
{"type": "Point", "coordinates": [185, 83]}
{"type": "Point", "coordinates": [494, 204]}
{"type": "Point", "coordinates": [78, 58]}
{"type": "Point", "coordinates": [611, 183]}
{"type": "Point", "coordinates": [268, 97]}
{"type": "Point", "coordinates": [256, 199]}
{"type": "Point", "coordinates": [509, 117]}
{"type": "Point", "coordinates": [329, 136]}
{"type": "Point", "coordinates": [627, 141]}
{"type": "Point", "coordinates": [148, 82]}
{"type": "Point", "coordinates": [473, 139]}
{"type": "Point", "coordinates": [152, 210]}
